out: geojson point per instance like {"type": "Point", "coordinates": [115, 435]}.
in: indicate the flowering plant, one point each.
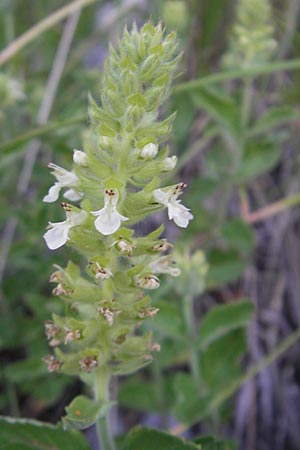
{"type": "Point", "coordinates": [116, 182]}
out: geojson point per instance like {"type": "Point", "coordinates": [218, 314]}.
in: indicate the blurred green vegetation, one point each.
{"type": "Point", "coordinates": [237, 139]}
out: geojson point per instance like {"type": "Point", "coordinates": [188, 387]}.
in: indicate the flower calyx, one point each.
{"type": "Point", "coordinates": [147, 312]}
{"type": "Point", "coordinates": [72, 335]}
{"type": "Point", "coordinates": [108, 310]}
{"type": "Point", "coordinates": [147, 281]}
{"type": "Point", "coordinates": [54, 364]}
{"type": "Point", "coordinates": [88, 363]}
{"type": "Point", "coordinates": [99, 272]}
{"type": "Point", "coordinates": [61, 290]}
{"type": "Point", "coordinates": [162, 246]}
{"type": "Point", "coordinates": [53, 333]}
{"type": "Point", "coordinates": [125, 247]}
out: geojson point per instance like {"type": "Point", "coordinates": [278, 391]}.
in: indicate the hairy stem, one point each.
{"type": "Point", "coordinates": [188, 315]}
{"type": "Point", "coordinates": [102, 396]}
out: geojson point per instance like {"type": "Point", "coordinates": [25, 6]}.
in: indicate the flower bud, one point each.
{"type": "Point", "coordinates": [80, 158]}
{"type": "Point", "coordinates": [169, 163]}
{"type": "Point", "coordinates": [149, 151]}
{"type": "Point", "coordinates": [105, 142]}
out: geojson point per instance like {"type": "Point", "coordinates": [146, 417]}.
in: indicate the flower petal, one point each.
{"type": "Point", "coordinates": [58, 235]}
{"type": "Point", "coordinates": [179, 213]}
{"type": "Point", "coordinates": [108, 221]}
{"type": "Point", "coordinates": [76, 218]}
{"type": "Point", "coordinates": [53, 193]}
{"type": "Point", "coordinates": [63, 176]}
{"type": "Point", "coordinates": [161, 197]}
{"type": "Point", "coordinates": [70, 194]}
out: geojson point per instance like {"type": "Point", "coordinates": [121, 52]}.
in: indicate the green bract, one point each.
{"type": "Point", "coordinates": [116, 181]}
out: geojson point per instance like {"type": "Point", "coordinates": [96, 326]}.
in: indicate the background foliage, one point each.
{"type": "Point", "coordinates": [237, 138]}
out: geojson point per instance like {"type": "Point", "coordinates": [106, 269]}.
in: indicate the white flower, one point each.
{"type": "Point", "coordinates": [176, 211]}
{"type": "Point", "coordinates": [64, 179]}
{"type": "Point", "coordinates": [58, 234]}
{"type": "Point", "coordinates": [80, 158]}
{"type": "Point", "coordinates": [169, 163]}
{"type": "Point", "coordinates": [109, 219]}
{"type": "Point", "coordinates": [149, 151]}
{"type": "Point", "coordinates": [163, 265]}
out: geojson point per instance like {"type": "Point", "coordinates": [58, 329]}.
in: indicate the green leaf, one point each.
{"type": "Point", "coordinates": [212, 443]}
{"type": "Point", "coordinates": [169, 319]}
{"type": "Point", "coordinates": [138, 395]}
{"type": "Point", "coordinates": [259, 157]}
{"type": "Point", "coordinates": [83, 412]}
{"type": "Point", "coordinates": [220, 107]}
{"type": "Point", "coordinates": [184, 117]}
{"type": "Point", "coordinates": [24, 370]}
{"type": "Point", "coordinates": [239, 235]}
{"type": "Point", "coordinates": [189, 405]}
{"type": "Point", "coordinates": [150, 439]}
{"type": "Point", "coordinates": [219, 362]}
{"type": "Point", "coordinates": [223, 319]}
{"type": "Point", "coordinates": [275, 117]}
{"type": "Point", "coordinates": [20, 434]}
{"type": "Point", "coordinates": [224, 266]}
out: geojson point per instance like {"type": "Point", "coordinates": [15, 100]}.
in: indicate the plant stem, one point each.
{"type": "Point", "coordinates": [291, 22]}
{"type": "Point", "coordinates": [246, 104]}
{"type": "Point", "coordinates": [188, 315]}
{"type": "Point", "coordinates": [102, 396]}
{"type": "Point", "coordinates": [228, 75]}
{"type": "Point", "coordinates": [13, 145]}
{"type": "Point", "coordinates": [254, 370]}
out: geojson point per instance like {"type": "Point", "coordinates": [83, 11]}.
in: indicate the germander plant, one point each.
{"type": "Point", "coordinates": [117, 181]}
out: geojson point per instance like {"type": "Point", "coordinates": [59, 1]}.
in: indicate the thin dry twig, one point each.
{"type": "Point", "coordinates": [42, 118]}
{"type": "Point", "coordinates": [40, 27]}
{"type": "Point", "coordinates": [267, 211]}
